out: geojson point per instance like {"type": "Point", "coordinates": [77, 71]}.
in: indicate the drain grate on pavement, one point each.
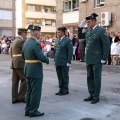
{"type": "Point", "coordinates": [87, 119]}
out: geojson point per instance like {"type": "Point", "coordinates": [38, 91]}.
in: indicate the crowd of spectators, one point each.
{"type": "Point", "coordinates": [47, 43]}
{"type": "Point", "coordinates": [5, 43]}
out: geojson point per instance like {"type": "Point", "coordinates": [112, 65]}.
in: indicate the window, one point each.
{"type": "Point", "coordinates": [31, 8]}
{"type": "Point", "coordinates": [6, 15]}
{"type": "Point", "coordinates": [67, 6]}
{"type": "Point", "coordinates": [71, 5]}
{"type": "Point", "coordinates": [75, 4]}
{"type": "Point", "coordinates": [99, 3]}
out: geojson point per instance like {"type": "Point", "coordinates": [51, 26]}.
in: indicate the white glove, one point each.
{"type": "Point", "coordinates": [102, 61]}
{"type": "Point", "coordinates": [82, 24]}
{"type": "Point", "coordinates": [68, 64]}
{"type": "Point", "coordinates": [49, 60]}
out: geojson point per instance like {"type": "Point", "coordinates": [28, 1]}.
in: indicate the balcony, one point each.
{"type": "Point", "coordinates": [41, 2]}
{"type": "Point", "coordinates": [68, 19]}
{"type": "Point", "coordinates": [48, 29]}
{"type": "Point", "coordinates": [6, 23]}
{"type": "Point", "coordinates": [6, 4]}
{"type": "Point", "coordinates": [41, 15]}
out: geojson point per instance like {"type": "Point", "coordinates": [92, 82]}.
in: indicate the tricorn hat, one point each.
{"type": "Point", "coordinates": [92, 16]}
{"type": "Point", "coordinates": [34, 27]}
{"type": "Point", "coordinates": [22, 30]}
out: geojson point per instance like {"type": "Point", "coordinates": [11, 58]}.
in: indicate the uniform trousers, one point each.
{"type": "Point", "coordinates": [63, 78]}
{"type": "Point", "coordinates": [33, 94]}
{"type": "Point", "coordinates": [18, 91]}
{"type": "Point", "coordinates": [94, 79]}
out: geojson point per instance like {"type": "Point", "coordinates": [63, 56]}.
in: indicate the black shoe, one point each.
{"type": "Point", "coordinates": [82, 61]}
{"type": "Point", "coordinates": [65, 93]}
{"type": "Point", "coordinates": [36, 115]}
{"type": "Point", "coordinates": [26, 113]}
{"type": "Point", "coordinates": [58, 93]}
{"type": "Point", "coordinates": [90, 98]}
{"type": "Point", "coordinates": [95, 101]}
{"type": "Point", "coordinates": [16, 101]}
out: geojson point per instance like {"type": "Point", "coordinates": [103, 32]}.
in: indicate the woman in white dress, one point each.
{"type": "Point", "coordinates": [114, 52]}
{"type": "Point", "coordinates": [117, 51]}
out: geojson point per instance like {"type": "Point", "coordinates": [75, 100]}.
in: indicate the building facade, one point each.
{"type": "Point", "coordinates": [108, 11]}
{"type": "Point", "coordinates": [38, 12]}
{"type": "Point", "coordinates": [7, 17]}
{"type": "Point", "coordinates": [67, 12]}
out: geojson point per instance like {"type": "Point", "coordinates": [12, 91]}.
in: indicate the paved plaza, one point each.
{"type": "Point", "coordinates": [69, 107]}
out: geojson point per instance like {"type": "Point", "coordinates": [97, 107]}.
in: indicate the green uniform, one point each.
{"type": "Point", "coordinates": [18, 70]}
{"type": "Point", "coordinates": [63, 55]}
{"type": "Point", "coordinates": [97, 49]}
{"type": "Point", "coordinates": [33, 73]}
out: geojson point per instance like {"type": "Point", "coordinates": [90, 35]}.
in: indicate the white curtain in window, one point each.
{"type": "Point", "coordinates": [4, 14]}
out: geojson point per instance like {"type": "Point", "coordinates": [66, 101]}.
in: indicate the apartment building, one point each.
{"type": "Point", "coordinates": [67, 12]}
{"type": "Point", "coordinates": [7, 17]}
{"type": "Point", "coordinates": [71, 12]}
{"type": "Point", "coordinates": [38, 12]}
{"type": "Point", "coordinates": [108, 11]}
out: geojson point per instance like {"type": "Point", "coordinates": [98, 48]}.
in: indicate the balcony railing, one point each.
{"type": "Point", "coordinates": [41, 15]}
{"type": "Point", "coordinates": [41, 2]}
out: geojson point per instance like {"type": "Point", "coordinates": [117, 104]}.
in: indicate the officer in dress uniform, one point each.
{"type": "Point", "coordinates": [63, 56]}
{"type": "Point", "coordinates": [33, 70]}
{"type": "Point", "coordinates": [18, 95]}
{"type": "Point", "coordinates": [97, 49]}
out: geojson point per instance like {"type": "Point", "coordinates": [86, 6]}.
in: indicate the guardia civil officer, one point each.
{"type": "Point", "coordinates": [18, 93]}
{"type": "Point", "coordinates": [33, 70]}
{"type": "Point", "coordinates": [97, 50]}
{"type": "Point", "coordinates": [63, 56]}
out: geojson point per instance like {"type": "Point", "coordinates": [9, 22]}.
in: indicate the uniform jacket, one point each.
{"type": "Point", "coordinates": [17, 62]}
{"type": "Point", "coordinates": [33, 51]}
{"type": "Point", "coordinates": [97, 44]}
{"type": "Point", "coordinates": [63, 52]}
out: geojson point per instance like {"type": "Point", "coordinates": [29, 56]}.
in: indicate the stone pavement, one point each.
{"type": "Point", "coordinates": [69, 107]}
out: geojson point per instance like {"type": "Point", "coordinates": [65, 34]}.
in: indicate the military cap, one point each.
{"type": "Point", "coordinates": [34, 27]}
{"type": "Point", "coordinates": [92, 16]}
{"type": "Point", "coordinates": [22, 30]}
{"type": "Point", "coordinates": [62, 28]}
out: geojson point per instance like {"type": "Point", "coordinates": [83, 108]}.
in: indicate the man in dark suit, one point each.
{"type": "Point", "coordinates": [82, 44]}
{"type": "Point", "coordinates": [97, 50]}
{"type": "Point", "coordinates": [33, 70]}
{"type": "Point", "coordinates": [110, 40]}
{"type": "Point", "coordinates": [63, 56]}
{"type": "Point", "coordinates": [18, 95]}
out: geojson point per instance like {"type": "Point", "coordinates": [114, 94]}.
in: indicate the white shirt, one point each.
{"type": "Point", "coordinates": [50, 40]}
{"type": "Point", "coordinates": [20, 37]}
{"type": "Point", "coordinates": [48, 48]}
{"type": "Point", "coordinates": [94, 27]}
{"type": "Point", "coordinates": [62, 38]}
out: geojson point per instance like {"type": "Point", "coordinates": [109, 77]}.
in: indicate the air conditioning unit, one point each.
{"type": "Point", "coordinates": [102, 2]}
{"type": "Point", "coordinates": [106, 18]}
{"type": "Point", "coordinates": [83, 1]}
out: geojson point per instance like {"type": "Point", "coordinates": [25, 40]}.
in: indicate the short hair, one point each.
{"type": "Point", "coordinates": [63, 29]}
{"type": "Point", "coordinates": [32, 32]}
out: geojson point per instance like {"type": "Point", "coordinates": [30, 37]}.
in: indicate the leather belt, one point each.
{"type": "Point", "coordinates": [32, 61]}
{"type": "Point", "coordinates": [16, 55]}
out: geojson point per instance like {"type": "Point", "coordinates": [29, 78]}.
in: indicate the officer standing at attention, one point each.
{"type": "Point", "coordinates": [63, 57]}
{"type": "Point", "coordinates": [33, 70]}
{"type": "Point", "coordinates": [97, 50]}
{"type": "Point", "coordinates": [18, 95]}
